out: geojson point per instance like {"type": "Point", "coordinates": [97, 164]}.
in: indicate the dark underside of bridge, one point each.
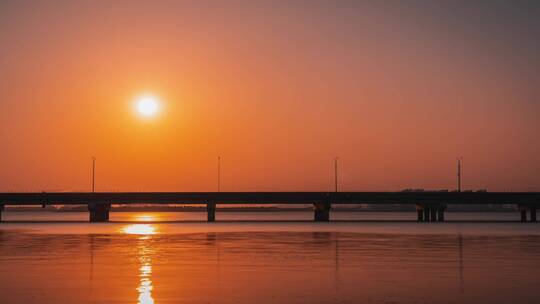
{"type": "Point", "coordinates": [430, 206]}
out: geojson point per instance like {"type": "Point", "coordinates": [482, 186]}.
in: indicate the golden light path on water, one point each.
{"type": "Point", "coordinates": [145, 217]}
{"type": "Point", "coordinates": [144, 230]}
{"type": "Point", "coordinates": [145, 252]}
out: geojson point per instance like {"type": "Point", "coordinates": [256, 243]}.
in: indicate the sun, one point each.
{"type": "Point", "coordinates": [147, 105]}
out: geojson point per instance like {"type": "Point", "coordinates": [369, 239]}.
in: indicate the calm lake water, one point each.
{"type": "Point", "coordinates": [140, 260]}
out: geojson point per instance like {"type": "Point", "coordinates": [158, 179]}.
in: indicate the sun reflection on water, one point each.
{"type": "Point", "coordinates": [145, 281]}
{"type": "Point", "coordinates": [145, 217]}
{"type": "Point", "coordinates": [139, 229]}
{"type": "Point", "coordinates": [145, 252]}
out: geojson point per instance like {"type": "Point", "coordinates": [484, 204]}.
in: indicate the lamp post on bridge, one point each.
{"type": "Point", "coordinates": [336, 173]}
{"type": "Point", "coordinates": [219, 174]}
{"type": "Point", "coordinates": [93, 174]}
{"type": "Point", "coordinates": [459, 159]}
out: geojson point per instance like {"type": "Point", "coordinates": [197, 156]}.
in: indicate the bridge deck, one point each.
{"type": "Point", "coordinates": [67, 198]}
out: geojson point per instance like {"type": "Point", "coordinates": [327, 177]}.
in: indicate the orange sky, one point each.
{"type": "Point", "coordinates": [278, 89]}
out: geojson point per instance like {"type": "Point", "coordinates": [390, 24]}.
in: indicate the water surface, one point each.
{"type": "Point", "coordinates": [266, 262]}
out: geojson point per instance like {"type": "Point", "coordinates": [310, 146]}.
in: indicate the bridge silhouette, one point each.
{"type": "Point", "coordinates": [430, 206]}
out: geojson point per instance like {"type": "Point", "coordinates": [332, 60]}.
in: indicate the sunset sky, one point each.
{"type": "Point", "coordinates": [396, 89]}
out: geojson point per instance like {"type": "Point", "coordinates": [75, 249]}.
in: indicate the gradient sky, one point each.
{"type": "Point", "coordinates": [396, 89]}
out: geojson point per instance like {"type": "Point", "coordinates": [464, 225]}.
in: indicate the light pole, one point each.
{"type": "Point", "coordinates": [336, 173]}
{"type": "Point", "coordinates": [459, 159]}
{"type": "Point", "coordinates": [219, 174]}
{"type": "Point", "coordinates": [93, 174]}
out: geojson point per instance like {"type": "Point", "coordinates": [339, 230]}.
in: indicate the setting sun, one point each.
{"type": "Point", "coordinates": [147, 105]}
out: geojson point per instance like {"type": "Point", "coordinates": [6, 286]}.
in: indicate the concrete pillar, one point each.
{"type": "Point", "coordinates": [433, 214]}
{"type": "Point", "coordinates": [533, 213]}
{"type": "Point", "coordinates": [440, 214]}
{"type": "Point", "coordinates": [420, 212]}
{"type": "Point", "coordinates": [211, 211]}
{"type": "Point", "coordinates": [99, 212]}
{"type": "Point", "coordinates": [523, 215]}
{"type": "Point", "coordinates": [441, 208]}
{"type": "Point", "coordinates": [426, 213]}
{"type": "Point", "coordinates": [322, 211]}
{"type": "Point", "coordinates": [523, 212]}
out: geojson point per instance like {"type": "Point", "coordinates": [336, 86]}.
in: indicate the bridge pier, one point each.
{"type": "Point", "coordinates": [523, 209]}
{"type": "Point", "coordinates": [99, 212]}
{"type": "Point", "coordinates": [420, 212]}
{"type": "Point", "coordinates": [430, 213]}
{"type": "Point", "coordinates": [426, 213]}
{"type": "Point", "coordinates": [440, 214]}
{"type": "Point", "coordinates": [211, 212]}
{"type": "Point", "coordinates": [433, 214]}
{"type": "Point", "coordinates": [523, 213]}
{"type": "Point", "coordinates": [322, 211]}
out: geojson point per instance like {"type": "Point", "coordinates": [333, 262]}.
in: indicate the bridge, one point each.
{"type": "Point", "coordinates": [430, 206]}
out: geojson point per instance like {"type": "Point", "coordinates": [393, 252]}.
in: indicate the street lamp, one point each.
{"type": "Point", "coordinates": [93, 174]}
{"type": "Point", "coordinates": [336, 173]}
{"type": "Point", "coordinates": [219, 174]}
